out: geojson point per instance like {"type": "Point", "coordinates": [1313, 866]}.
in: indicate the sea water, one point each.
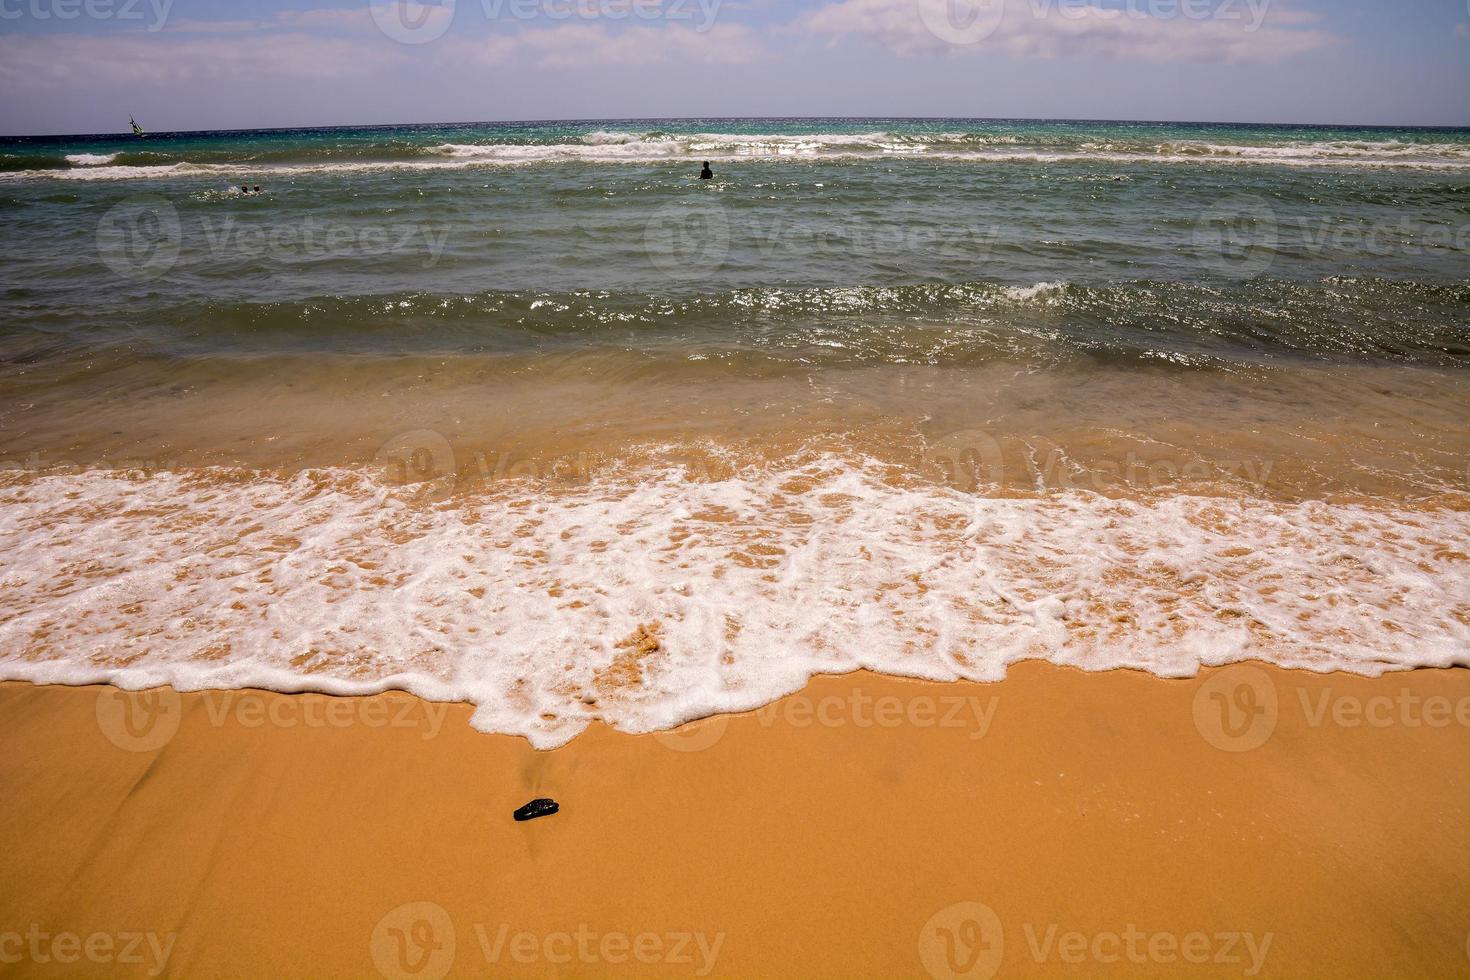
{"type": "Point", "coordinates": [527, 415]}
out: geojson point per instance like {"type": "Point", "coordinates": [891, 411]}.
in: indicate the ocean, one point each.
{"type": "Point", "coordinates": [526, 415]}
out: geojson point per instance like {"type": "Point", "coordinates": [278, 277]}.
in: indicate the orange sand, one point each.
{"type": "Point", "coordinates": [1248, 823]}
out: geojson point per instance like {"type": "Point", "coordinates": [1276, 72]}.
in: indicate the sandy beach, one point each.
{"type": "Point", "coordinates": [827, 490]}
{"type": "Point", "coordinates": [1249, 822]}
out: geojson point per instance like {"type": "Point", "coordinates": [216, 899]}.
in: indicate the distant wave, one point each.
{"type": "Point", "coordinates": [625, 147]}
{"type": "Point", "coordinates": [91, 159]}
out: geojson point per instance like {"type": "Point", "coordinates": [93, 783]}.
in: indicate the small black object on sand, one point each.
{"type": "Point", "coordinates": [536, 808]}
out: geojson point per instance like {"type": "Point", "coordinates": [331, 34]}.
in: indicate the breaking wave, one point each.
{"type": "Point", "coordinates": [632, 146]}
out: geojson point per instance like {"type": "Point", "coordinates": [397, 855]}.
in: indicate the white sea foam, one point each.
{"type": "Point", "coordinates": [1326, 150]}
{"type": "Point", "coordinates": [148, 172]}
{"type": "Point", "coordinates": [1024, 293]}
{"type": "Point", "coordinates": [608, 147]}
{"type": "Point", "coordinates": [517, 599]}
{"type": "Point", "coordinates": [90, 159]}
{"type": "Point", "coordinates": [541, 152]}
{"type": "Point", "coordinates": [606, 138]}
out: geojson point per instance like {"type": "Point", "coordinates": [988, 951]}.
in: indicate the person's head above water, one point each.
{"type": "Point", "coordinates": [706, 173]}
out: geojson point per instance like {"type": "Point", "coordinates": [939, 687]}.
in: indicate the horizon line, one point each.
{"type": "Point", "coordinates": [681, 119]}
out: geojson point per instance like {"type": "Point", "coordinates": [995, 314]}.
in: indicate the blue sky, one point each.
{"type": "Point", "coordinates": [75, 66]}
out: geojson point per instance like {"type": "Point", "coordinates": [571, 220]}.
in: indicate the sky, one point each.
{"type": "Point", "coordinates": [85, 66]}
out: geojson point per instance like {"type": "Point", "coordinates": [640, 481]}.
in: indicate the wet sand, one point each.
{"type": "Point", "coordinates": [1293, 432]}
{"type": "Point", "coordinates": [1251, 822]}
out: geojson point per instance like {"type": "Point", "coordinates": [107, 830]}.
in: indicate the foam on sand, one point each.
{"type": "Point", "coordinates": [646, 598]}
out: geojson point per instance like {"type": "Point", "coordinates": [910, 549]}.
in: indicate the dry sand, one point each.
{"type": "Point", "coordinates": [1054, 824]}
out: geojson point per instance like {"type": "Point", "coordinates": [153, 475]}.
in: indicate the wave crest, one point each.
{"type": "Point", "coordinates": [607, 146]}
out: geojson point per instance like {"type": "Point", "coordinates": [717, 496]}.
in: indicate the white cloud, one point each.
{"type": "Point", "coordinates": [593, 46]}
{"type": "Point", "coordinates": [87, 61]}
{"type": "Point", "coordinates": [350, 18]}
{"type": "Point", "coordinates": [214, 26]}
{"type": "Point", "coordinates": [1231, 32]}
{"type": "Point", "coordinates": [80, 62]}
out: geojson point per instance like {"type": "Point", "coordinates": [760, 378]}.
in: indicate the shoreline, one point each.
{"type": "Point", "coordinates": [647, 598]}
{"type": "Point", "coordinates": [1251, 821]}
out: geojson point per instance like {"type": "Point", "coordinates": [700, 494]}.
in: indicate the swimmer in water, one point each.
{"type": "Point", "coordinates": [706, 173]}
